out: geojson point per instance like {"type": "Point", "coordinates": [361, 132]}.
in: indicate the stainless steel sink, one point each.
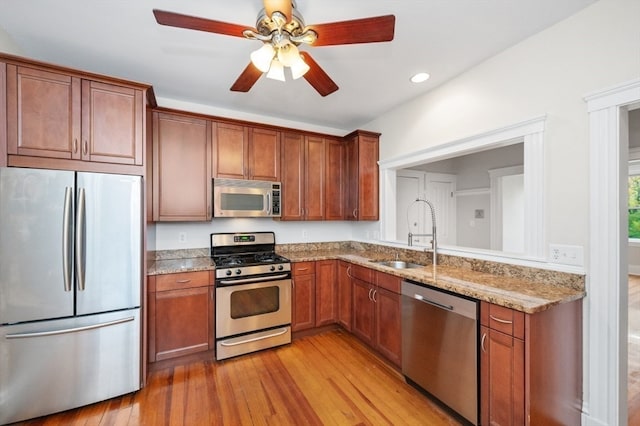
{"type": "Point", "coordinates": [397, 264]}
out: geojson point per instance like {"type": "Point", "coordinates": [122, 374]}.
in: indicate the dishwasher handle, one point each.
{"type": "Point", "coordinates": [432, 302]}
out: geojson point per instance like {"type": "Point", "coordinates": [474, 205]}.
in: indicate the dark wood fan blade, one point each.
{"type": "Point", "coordinates": [366, 30]}
{"type": "Point", "coordinates": [178, 20]}
{"type": "Point", "coordinates": [247, 79]}
{"type": "Point", "coordinates": [317, 77]}
{"type": "Point", "coordinates": [282, 6]}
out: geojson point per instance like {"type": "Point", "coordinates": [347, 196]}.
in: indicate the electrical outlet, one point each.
{"type": "Point", "coordinates": [566, 255]}
{"type": "Point", "coordinates": [182, 237]}
{"type": "Point", "coordinates": [305, 235]}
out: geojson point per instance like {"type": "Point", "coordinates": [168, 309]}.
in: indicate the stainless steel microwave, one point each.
{"type": "Point", "coordinates": [246, 198]}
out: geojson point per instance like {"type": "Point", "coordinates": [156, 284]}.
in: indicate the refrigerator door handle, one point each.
{"type": "Point", "coordinates": [66, 238]}
{"type": "Point", "coordinates": [68, 330]}
{"type": "Point", "coordinates": [80, 239]}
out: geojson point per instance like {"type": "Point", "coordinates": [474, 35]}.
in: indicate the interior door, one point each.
{"type": "Point", "coordinates": [33, 265]}
{"type": "Point", "coordinates": [109, 229]}
{"type": "Point", "coordinates": [409, 215]}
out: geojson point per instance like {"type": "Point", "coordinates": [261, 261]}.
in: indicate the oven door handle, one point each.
{"type": "Point", "coordinates": [253, 339]}
{"type": "Point", "coordinates": [254, 280]}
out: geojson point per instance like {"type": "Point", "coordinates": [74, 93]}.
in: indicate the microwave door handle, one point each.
{"type": "Point", "coordinates": [268, 203]}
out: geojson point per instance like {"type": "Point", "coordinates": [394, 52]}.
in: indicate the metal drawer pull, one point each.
{"type": "Point", "coordinates": [373, 296]}
{"type": "Point", "coordinates": [68, 330]}
{"type": "Point", "coordinates": [183, 281]}
{"type": "Point", "coordinates": [431, 302]}
{"type": "Point", "coordinates": [255, 339]}
{"type": "Point", "coordinates": [500, 320]}
{"type": "Point", "coordinates": [484, 337]}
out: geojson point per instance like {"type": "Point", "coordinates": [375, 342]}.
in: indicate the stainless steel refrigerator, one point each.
{"type": "Point", "coordinates": [70, 282]}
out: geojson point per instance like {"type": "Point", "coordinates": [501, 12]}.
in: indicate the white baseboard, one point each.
{"type": "Point", "coordinates": [634, 269]}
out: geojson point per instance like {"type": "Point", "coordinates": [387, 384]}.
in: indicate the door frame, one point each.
{"type": "Point", "coordinates": [605, 307]}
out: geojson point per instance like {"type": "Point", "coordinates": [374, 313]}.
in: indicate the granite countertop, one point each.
{"type": "Point", "coordinates": [530, 292]}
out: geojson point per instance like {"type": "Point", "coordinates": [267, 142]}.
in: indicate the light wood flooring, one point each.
{"type": "Point", "coordinates": [326, 379]}
{"type": "Point", "coordinates": [633, 376]}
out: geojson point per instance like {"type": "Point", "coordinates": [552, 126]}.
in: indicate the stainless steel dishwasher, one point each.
{"type": "Point", "coordinates": [440, 346]}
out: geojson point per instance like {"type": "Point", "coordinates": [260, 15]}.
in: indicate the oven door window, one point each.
{"type": "Point", "coordinates": [257, 301]}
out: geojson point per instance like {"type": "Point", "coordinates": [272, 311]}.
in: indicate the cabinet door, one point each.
{"type": "Point", "coordinates": [344, 295]}
{"type": "Point", "coordinates": [367, 178]}
{"type": "Point", "coordinates": [182, 323]}
{"type": "Point", "coordinates": [326, 292]}
{"type": "Point", "coordinates": [363, 311]}
{"type": "Point", "coordinates": [314, 178]}
{"type": "Point", "coordinates": [181, 168]}
{"type": "Point", "coordinates": [304, 302]}
{"type": "Point", "coordinates": [362, 178]}
{"type": "Point", "coordinates": [230, 150]}
{"type": "Point", "coordinates": [264, 154]}
{"type": "Point", "coordinates": [43, 113]}
{"type": "Point", "coordinates": [388, 332]}
{"type": "Point", "coordinates": [334, 180]}
{"type": "Point", "coordinates": [292, 173]}
{"type": "Point", "coordinates": [502, 375]}
{"type": "Point", "coordinates": [112, 123]}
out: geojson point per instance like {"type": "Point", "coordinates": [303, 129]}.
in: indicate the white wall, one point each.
{"type": "Point", "coordinates": [549, 73]}
{"type": "Point", "coordinates": [7, 44]}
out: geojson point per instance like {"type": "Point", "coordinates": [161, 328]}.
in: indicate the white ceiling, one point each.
{"type": "Point", "coordinates": [121, 38]}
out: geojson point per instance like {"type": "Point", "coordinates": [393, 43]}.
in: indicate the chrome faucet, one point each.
{"type": "Point", "coordinates": [434, 240]}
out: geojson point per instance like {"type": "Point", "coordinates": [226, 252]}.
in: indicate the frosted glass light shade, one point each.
{"type": "Point", "coordinates": [288, 54]}
{"type": "Point", "coordinates": [262, 57]}
{"type": "Point", "coordinates": [276, 71]}
{"type": "Point", "coordinates": [299, 68]}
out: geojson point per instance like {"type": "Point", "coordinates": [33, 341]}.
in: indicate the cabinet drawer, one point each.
{"type": "Point", "coordinates": [388, 281]}
{"type": "Point", "coordinates": [502, 319]}
{"type": "Point", "coordinates": [361, 273]}
{"type": "Point", "coordinates": [303, 268]}
{"type": "Point", "coordinates": [181, 280]}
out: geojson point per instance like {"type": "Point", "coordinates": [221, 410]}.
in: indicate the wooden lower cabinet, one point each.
{"type": "Point", "coordinates": [531, 365]}
{"type": "Point", "coordinates": [377, 314]}
{"type": "Point", "coordinates": [326, 292]}
{"type": "Point", "coordinates": [303, 303]}
{"type": "Point", "coordinates": [180, 314]}
{"type": "Point", "coordinates": [344, 295]}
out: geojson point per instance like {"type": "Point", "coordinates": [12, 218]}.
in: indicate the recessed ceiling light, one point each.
{"type": "Point", "coordinates": [420, 77]}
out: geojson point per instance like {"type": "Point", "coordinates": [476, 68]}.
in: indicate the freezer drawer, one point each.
{"type": "Point", "coordinates": [57, 365]}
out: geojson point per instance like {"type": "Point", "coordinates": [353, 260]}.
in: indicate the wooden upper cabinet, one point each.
{"type": "Point", "coordinates": [292, 173]}
{"type": "Point", "coordinates": [314, 178]}
{"type": "Point", "coordinates": [303, 179]}
{"type": "Point", "coordinates": [362, 176]}
{"type": "Point", "coordinates": [264, 154]}
{"type": "Point", "coordinates": [112, 123]}
{"type": "Point", "coordinates": [181, 168]}
{"type": "Point", "coordinates": [335, 179]}
{"type": "Point", "coordinates": [56, 115]}
{"type": "Point", "coordinates": [43, 113]}
{"type": "Point", "coordinates": [231, 150]}
{"type": "Point", "coordinates": [243, 152]}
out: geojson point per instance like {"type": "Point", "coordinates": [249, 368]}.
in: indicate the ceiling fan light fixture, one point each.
{"type": "Point", "coordinates": [262, 58]}
{"type": "Point", "coordinates": [276, 71]}
{"type": "Point", "coordinates": [299, 68]}
{"type": "Point", "coordinates": [288, 54]}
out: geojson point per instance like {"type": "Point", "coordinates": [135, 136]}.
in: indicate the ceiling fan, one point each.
{"type": "Point", "coordinates": [281, 29]}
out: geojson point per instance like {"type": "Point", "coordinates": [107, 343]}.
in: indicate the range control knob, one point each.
{"type": "Point", "coordinates": [273, 268]}
{"type": "Point", "coordinates": [238, 271]}
{"type": "Point", "coordinates": [228, 272]}
{"type": "Point", "coordinates": [280, 267]}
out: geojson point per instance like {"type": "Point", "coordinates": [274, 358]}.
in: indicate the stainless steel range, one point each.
{"type": "Point", "coordinates": [253, 293]}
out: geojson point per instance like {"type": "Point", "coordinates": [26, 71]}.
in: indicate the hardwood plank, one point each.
{"type": "Point", "coordinates": [328, 378]}
{"type": "Point", "coordinates": [633, 350]}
